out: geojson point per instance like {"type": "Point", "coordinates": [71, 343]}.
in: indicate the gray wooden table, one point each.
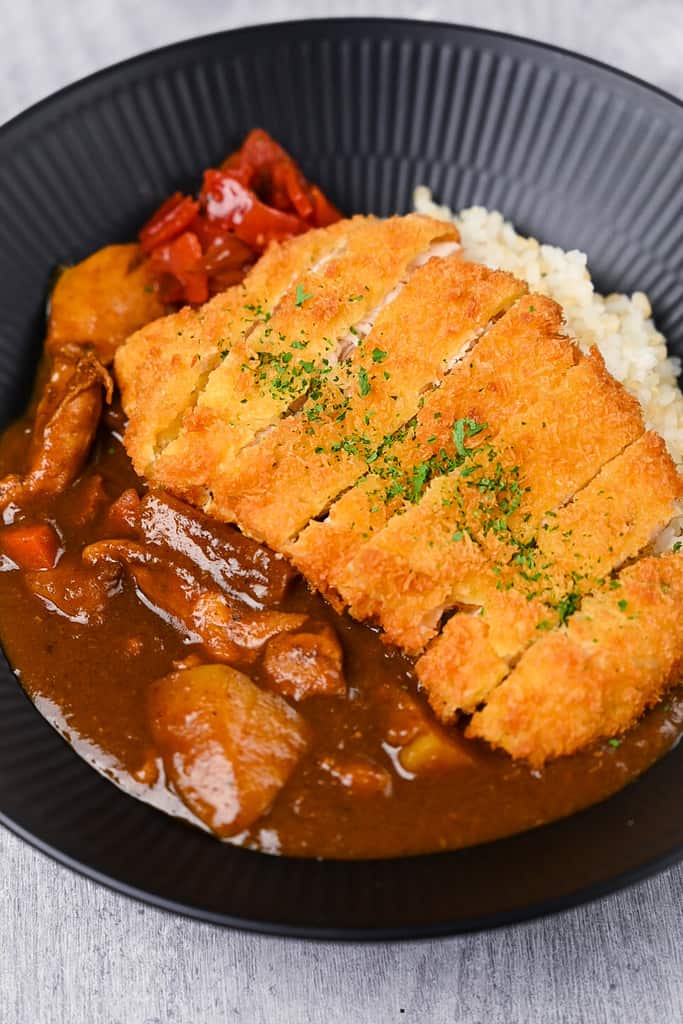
{"type": "Point", "coordinates": [72, 952]}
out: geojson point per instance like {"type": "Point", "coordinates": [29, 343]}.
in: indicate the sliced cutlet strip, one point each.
{"type": "Point", "coordinates": [518, 358]}
{"type": "Point", "coordinates": [612, 519]}
{"type": "Point", "coordinates": [426, 560]}
{"type": "Point", "coordinates": [560, 443]}
{"type": "Point", "coordinates": [616, 658]}
{"type": "Point", "coordinates": [461, 667]}
{"type": "Point", "coordinates": [464, 504]}
{"type": "Point", "coordinates": [163, 367]}
{"type": "Point", "coordinates": [542, 455]}
{"type": "Point", "coordinates": [275, 486]}
{"type": "Point", "coordinates": [271, 370]}
{"type": "Point", "coordinates": [609, 521]}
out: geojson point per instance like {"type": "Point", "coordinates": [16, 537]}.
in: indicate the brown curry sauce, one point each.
{"type": "Point", "coordinates": [350, 796]}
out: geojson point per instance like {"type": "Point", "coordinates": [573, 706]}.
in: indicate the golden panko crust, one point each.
{"type": "Point", "coordinates": [594, 678]}
{"type": "Point", "coordinates": [421, 439]}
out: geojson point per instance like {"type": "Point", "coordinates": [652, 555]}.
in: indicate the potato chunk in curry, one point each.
{"type": "Point", "coordinates": [102, 300]}
{"type": "Point", "coordinates": [228, 747]}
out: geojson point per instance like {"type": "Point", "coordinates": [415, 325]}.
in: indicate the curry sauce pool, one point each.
{"type": "Point", "coordinates": [351, 796]}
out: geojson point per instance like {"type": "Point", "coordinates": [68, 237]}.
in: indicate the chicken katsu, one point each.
{"type": "Point", "coordinates": [615, 658]}
{"type": "Point", "coordinates": [487, 472]}
{"type": "Point", "coordinates": [373, 544]}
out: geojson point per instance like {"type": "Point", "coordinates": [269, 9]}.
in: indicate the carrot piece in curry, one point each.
{"type": "Point", "coordinates": [30, 545]}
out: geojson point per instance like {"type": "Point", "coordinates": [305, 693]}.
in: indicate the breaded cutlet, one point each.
{"type": "Point", "coordinates": [269, 369]}
{"type": "Point", "coordinates": [595, 677]}
{"type": "Point", "coordinates": [610, 520]}
{"type": "Point", "coordinates": [576, 549]}
{"type": "Point", "coordinates": [162, 369]}
{"type": "Point", "coordinates": [408, 574]}
{"type": "Point", "coordinates": [517, 359]}
{"type": "Point", "coordinates": [291, 475]}
{"type": "Point", "coordinates": [471, 465]}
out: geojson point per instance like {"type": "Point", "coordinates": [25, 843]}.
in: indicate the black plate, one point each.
{"type": "Point", "coordinates": [572, 152]}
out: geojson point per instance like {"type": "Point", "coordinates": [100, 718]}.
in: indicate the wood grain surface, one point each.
{"type": "Point", "coordinates": [72, 952]}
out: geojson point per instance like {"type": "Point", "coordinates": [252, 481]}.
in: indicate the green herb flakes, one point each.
{"type": "Point", "coordinates": [568, 605]}
{"type": "Point", "coordinates": [363, 382]}
{"type": "Point", "coordinates": [301, 296]}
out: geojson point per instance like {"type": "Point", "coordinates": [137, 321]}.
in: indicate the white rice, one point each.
{"type": "Point", "coordinates": [621, 327]}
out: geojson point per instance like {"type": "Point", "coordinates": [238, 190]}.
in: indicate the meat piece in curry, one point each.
{"type": "Point", "coordinates": [227, 632]}
{"type": "Point", "coordinates": [66, 419]}
{"type": "Point", "coordinates": [301, 665]}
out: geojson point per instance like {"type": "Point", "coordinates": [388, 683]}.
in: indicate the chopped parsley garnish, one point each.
{"type": "Point", "coordinates": [419, 480]}
{"type": "Point", "coordinates": [677, 546]}
{"type": "Point", "coordinates": [458, 430]}
{"type": "Point", "coordinates": [623, 605]}
{"type": "Point", "coordinates": [259, 312]}
{"type": "Point", "coordinates": [568, 605]}
{"type": "Point", "coordinates": [463, 429]}
{"type": "Point", "coordinates": [379, 355]}
{"type": "Point", "coordinates": [363, 382]}
{"type": "Point", "coordinates": [614, 742]}
{"type": "Point", "coordinates": [301, 295]}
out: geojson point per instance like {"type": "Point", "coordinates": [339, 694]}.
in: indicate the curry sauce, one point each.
{"type": "Point", "coordinates": [380, 777]}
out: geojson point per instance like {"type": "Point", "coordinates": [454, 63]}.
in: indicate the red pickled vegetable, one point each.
{"type": "Point", "coordinates": [324, 213]}
{"type": "Point", "coordinates": [198, 247]}
{"type": "Point", "coordinates": [30, 545]}
{"type": "Point", "coordinates": [170, 220]}
{"type": "Point", "coordinates": [229, 202]}
{"type": "Point", "coordinates": [293, 184]}
{"type": "Point", "coordinates": [226, 250]}
{"type": "Point", "coordinates": [258, 152]}
{"type": "Point", "coordinates": [182, 259]}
